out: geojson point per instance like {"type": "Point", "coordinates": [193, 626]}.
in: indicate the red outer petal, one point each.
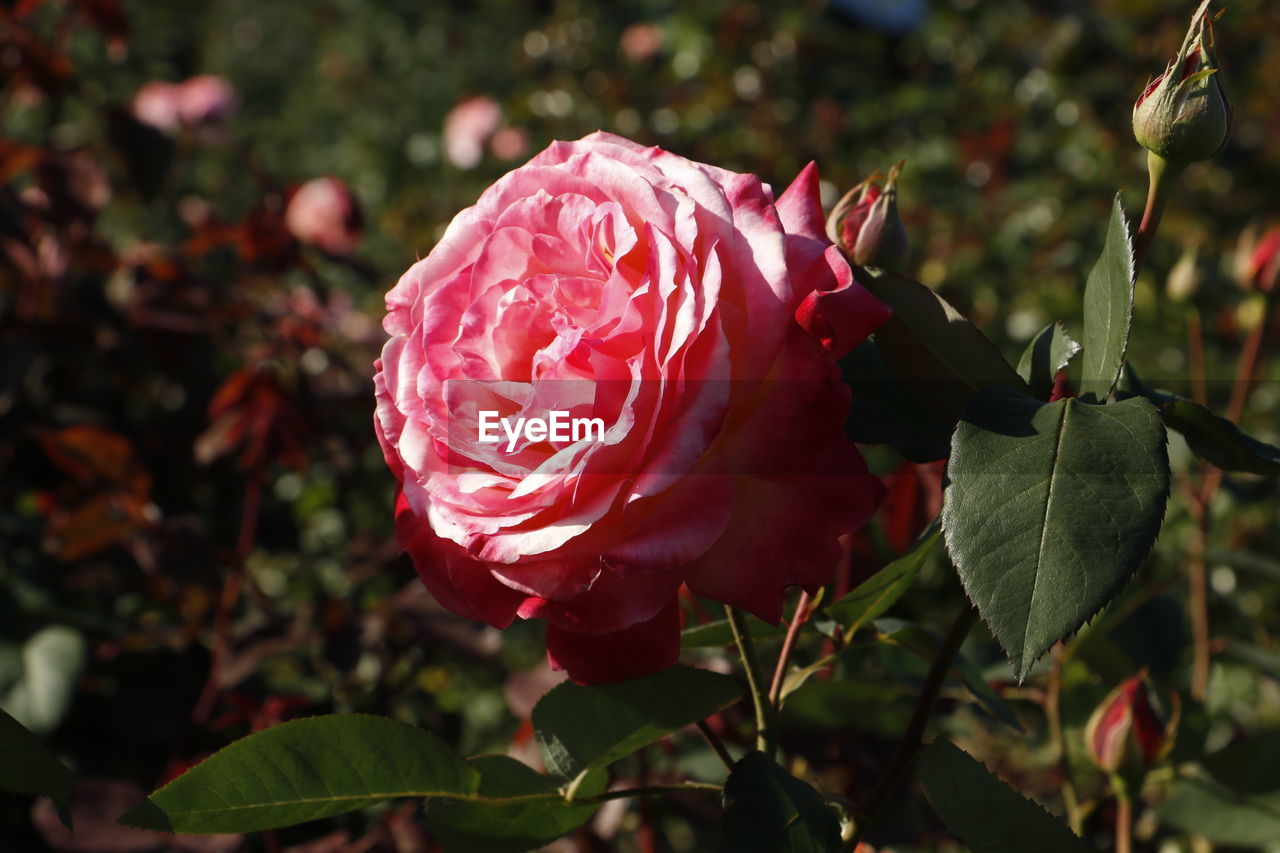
{"type": "Point", "coordinates": [843, 317]}
{"type": "Point", "coordinates": [800, 206]}
{"type": "Point", "coordinates": [643, 649]}
{"type": "Point", "coordinates": [460, 583]}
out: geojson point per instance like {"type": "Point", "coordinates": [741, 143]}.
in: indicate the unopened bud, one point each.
{"type": "Point", "coordinates": [1127, 733]}
{"type": "Point", "coordinates": [1257, 259]}
{"type": "Point", "coordinates": [1185, 277]}
{"type": "Point", "coordinates": [867, 225]}
{"type": "Point", "coordinates": [1183, 115]}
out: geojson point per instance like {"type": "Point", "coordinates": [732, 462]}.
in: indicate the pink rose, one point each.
{"type": "Point", "coordinates": [322, 213]}
{"type": "Point", "coordinates": [156, 104]}
{"type": "Point", "coordinates": [206, 100]}
{"type": "Point", "coordinates": [201, 101]}
{"type": "Point", "coordinates": [699, 320]}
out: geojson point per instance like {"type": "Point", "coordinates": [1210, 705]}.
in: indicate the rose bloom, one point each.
{"type": "Point", "coordinates": [322, 213]}
{"type": "Point", "coordinates": [700, 319]}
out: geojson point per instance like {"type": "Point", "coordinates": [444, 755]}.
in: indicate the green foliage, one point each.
{"type": "Point", "coordinates": [581, 728]}
{"type": "Point", "coordinates": [1108, 310]}
{"type": "Point", "coordinates": [926, 644]}
{"type": "Point", "coordinates": [1234, 798]}
{"type": "Point", "coordinates": [718, 633]}
{"type": "Point", "coordinates": [28, 767]}
{"type": "Point", "coordinates": [1212, 438]}
{"type": "Point", "coordinates": [305, 770]}
{"type": "Point", "coordinates": [1049, 510]}
{"type": "Point", "coordinates": [940, 358]}
{"type": "Point", "coordinates": [878, 593]}
{"type": "Point", "coordinates": [767, 810]}
{"type": "Point", "coordinates": [534, 814]}
{"type": "Point", "coordinates": [988, 815]}
{"type": "Point", "coordinates": [1049, 351]}
{"type": "Point", "coordinates": [884, 413]}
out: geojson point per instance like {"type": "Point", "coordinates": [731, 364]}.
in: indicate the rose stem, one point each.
{"type": "Point", "coordinates": [716, 744]}
{"type": "Point", "coordinates": [1124, 817]}
{"type": "Point", "coordinates": [1249, 361]}
{"type": "Point", "coordinates": [1197, 570]}
{"type": "Point", "coordinates": [645, 791]}
{"type": "Point", "coordinates": [911, 738]}
{"type": "Point", "coordinates": [1195, 355]}
{"type": "Point", "coordinates": [1053, 715]}
{"type": "Point", "coordinates": [747, 650]}
{"type": "Point", "coordinates": [780, 671]}
{"type": "Point", "coordinates": [1161, 176]}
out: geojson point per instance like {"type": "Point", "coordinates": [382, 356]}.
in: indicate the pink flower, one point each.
{"type": "Point", "coordinates": [201, 101]}
{"type": "Point", "coordinates": [206, 100]}
{"type": "Point", "coordinates": [322, 213]}
{"type": "Point", "coordinates": [699, 319]}
{"type": "Point", "coordinates": [510, 143]}
{"type": "Point", "coordinates": [641, 42]}
{"type": "Point", "coordinates": [156, 104]}
{"type": "Point", "coordinates": [467, 128]}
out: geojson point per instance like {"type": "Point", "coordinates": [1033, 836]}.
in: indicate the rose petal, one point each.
{"type": "Point", "coordinates": [642, 649]}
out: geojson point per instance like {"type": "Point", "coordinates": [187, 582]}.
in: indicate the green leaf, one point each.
{"type": "Point", "coordinates": [305, 770]}
{"type": "Point", "coordinates": [28, 767]}
{"type": "Point", "coordinates": [767, 810]}
{"type": "Point", "coordinates": [850, 701]}
{"type": "Point", "coordinates": [1049, 509]}
{"type": "Point", "coordinates": [878, 593]}
{"type": "Point", "coordinates": [718, 633]}
{"type": "Point", "coordinates": [1214, 439]}
{"type": "Point", "coordinates": [883, 413]}
{"type": "Point", "coordinates": [1204, 806]}
{"type": "Point", "coordinates": [1108, 310]}
{"type": "Point", "coordinates": [579, 728]}
{"type": "Point", "coordinates": [43, 677]}
{"type": "Point", "coordinates": [925, 644]}
{"type": "Point", "coordinates": [1235, 797]}
{"type": "Point", "coordinates": [988, 815]}
{"type": "Point", "coordinates": [1049, 351]}
{"type": "Point", "coordinates": [535, 812]}
{"type": "Point", "coordinates": [938, 355]}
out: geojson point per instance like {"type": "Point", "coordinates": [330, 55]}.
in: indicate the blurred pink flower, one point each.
{"type": "Point", "coordinates": [202, 101]}
{"type": "Point", "coordinates": [510, 143]}
{"type": "Point", "coordinates": [156, 104]}
{"type": "Point", "coordinates": [640, 42]}
{"type": "Point", "coordinates": [206, 99]}
{"type": "Point", "coordinates": [467, 128]}
{"type": "Point", "coordinates": [323, 213]}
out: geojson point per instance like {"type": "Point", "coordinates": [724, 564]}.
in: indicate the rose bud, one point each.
{"type": "Point", "coordinates": [693, 312]}
{"type": "Point", "coordinates": [1185, 277]}
{"type": "Point", "coordinates": [1127, 733]}
{"type": "Point", "coordinates": [1257, 259]}
{"type": "Point", "coordinates": [866, 224]}
{"type": "Point", "coordinates": [1183, 115]}
{"type": "Point", "coordinates": [323, 214]}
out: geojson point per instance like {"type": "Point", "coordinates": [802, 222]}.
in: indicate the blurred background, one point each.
{"type": "Point", "coordinates": [202, 205]}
